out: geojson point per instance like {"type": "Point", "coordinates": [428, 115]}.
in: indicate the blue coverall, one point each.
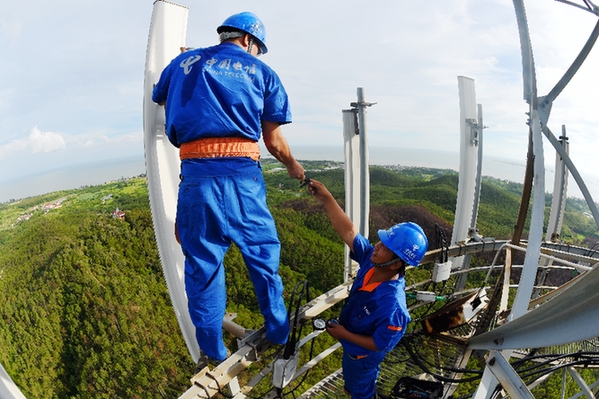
{"type": "Point", "coordinates": [372, 309]}
{"type": "Point", "coordinates": [222, 92]}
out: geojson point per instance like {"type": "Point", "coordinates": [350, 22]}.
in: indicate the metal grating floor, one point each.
{"type": "Point", "coordinates": [434, 351]}
{"type": "Point", "coordinates": [330, 387]}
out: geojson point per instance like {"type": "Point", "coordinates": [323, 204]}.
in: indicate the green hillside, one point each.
{"type": "Point", "coordinates": [84, 308]}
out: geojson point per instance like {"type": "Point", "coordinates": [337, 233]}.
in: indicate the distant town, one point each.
{"type": "Point", "coordinates": [47, 207]}
{"type": "Point", "coordinates": [63, 201]}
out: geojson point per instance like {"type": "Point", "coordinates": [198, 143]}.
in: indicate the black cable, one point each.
{"type": "Point", "coordinates": [556, 356]}
{"type": "Point", "coordinates": [292, 339]}
{"type": "Point", "coordinates": [580, 358]}
{"type": "Point", "coordinates": [311, 354]}
{"type": "Point", "coordinates": [419, 363]}
{"type": "Point", "coordinates": [293, 334]}
{"type": "Point", "coordinates": [441, 240]}
{"type": "Point", "coordinates": [550, 370]}
{"type": "Point", "coordinates": [425, 313]}
{"type": "Point", "coordinates": [305, 374]}
{"type": "Point", "coordinates": [229, 396]}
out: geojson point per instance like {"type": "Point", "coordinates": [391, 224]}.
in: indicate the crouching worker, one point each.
{"type": "Point", "coordinates": [375, 315]}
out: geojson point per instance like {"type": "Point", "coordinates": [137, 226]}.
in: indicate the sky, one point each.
{"type": "Point", "coordinates": [71, 75]}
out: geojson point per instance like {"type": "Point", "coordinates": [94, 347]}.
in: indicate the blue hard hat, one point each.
{"type": "Point", "coordinates": [247, 22]}
{"type": "Point", "coordinates": [406, 240]}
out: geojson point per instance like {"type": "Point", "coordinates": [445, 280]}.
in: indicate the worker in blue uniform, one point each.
{"type": "Point", "coordinates": [375, 315]}
{"type": "Point", "coordinates": [219, 101]}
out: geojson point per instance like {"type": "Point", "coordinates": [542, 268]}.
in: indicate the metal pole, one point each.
{"type": "Point", "coordinates": [479, 166]}
{"type": "Point", "coordinates": [364, 165]}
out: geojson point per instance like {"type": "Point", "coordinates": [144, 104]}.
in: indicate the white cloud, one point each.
{"type": "Point", "coordinates": [89, 143]}
{"type": "Point", "coordinates": [45, 142]}
{"type": "Point", "coordinates": [97, 140]}
{"type": "Point", "coordinates": [37, 142]}
{"type": "Point", "coordinates": [406, 56]}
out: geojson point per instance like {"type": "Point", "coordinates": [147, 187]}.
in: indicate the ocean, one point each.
{"type": "Point", "coordinates": [101, 172]}
{"type": "Point", "coordinates": [86, 174]}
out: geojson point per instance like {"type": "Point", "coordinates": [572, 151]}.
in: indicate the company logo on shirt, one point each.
{"type": "Point", "coordinates": [366, 310]}
{"type": "Point", "coordinates": [187, 63]}
{"type": "Point", "coordinates": [224, 67]}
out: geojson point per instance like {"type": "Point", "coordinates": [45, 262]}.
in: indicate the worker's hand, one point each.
{"type": "Point", "coordinates": [318, 190]}
{"type": "Point", "coordinates": [296, 170]}
{"type": "Point", "coordinates": [336, 330]}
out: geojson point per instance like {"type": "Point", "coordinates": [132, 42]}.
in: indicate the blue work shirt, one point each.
{"type": "Point", "coordinates": [373, 309]}
{"type": "Point", "coordinates": [219, 91]}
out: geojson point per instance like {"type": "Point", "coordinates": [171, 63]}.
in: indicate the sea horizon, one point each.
{"type": "Point", "coordinates": [96, 173]}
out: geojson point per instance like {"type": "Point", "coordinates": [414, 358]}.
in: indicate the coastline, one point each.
{"type": "Point", "coordinates": [95, 173]}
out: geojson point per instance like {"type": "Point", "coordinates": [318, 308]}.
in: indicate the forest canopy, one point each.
{"type": "Point", "coordinates": [84, 307]}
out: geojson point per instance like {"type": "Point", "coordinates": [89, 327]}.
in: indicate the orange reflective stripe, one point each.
{"type": "Point", "coordinates": [218, 147]}
{"type": "Point", "coordinates": [394, 328]}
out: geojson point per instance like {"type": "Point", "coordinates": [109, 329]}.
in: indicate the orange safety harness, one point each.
{"type": "Point", "coordinates": [219, 147]}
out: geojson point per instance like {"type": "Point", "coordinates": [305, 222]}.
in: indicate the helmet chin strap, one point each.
{"type": "Point", "coordinates": [388, 263]}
